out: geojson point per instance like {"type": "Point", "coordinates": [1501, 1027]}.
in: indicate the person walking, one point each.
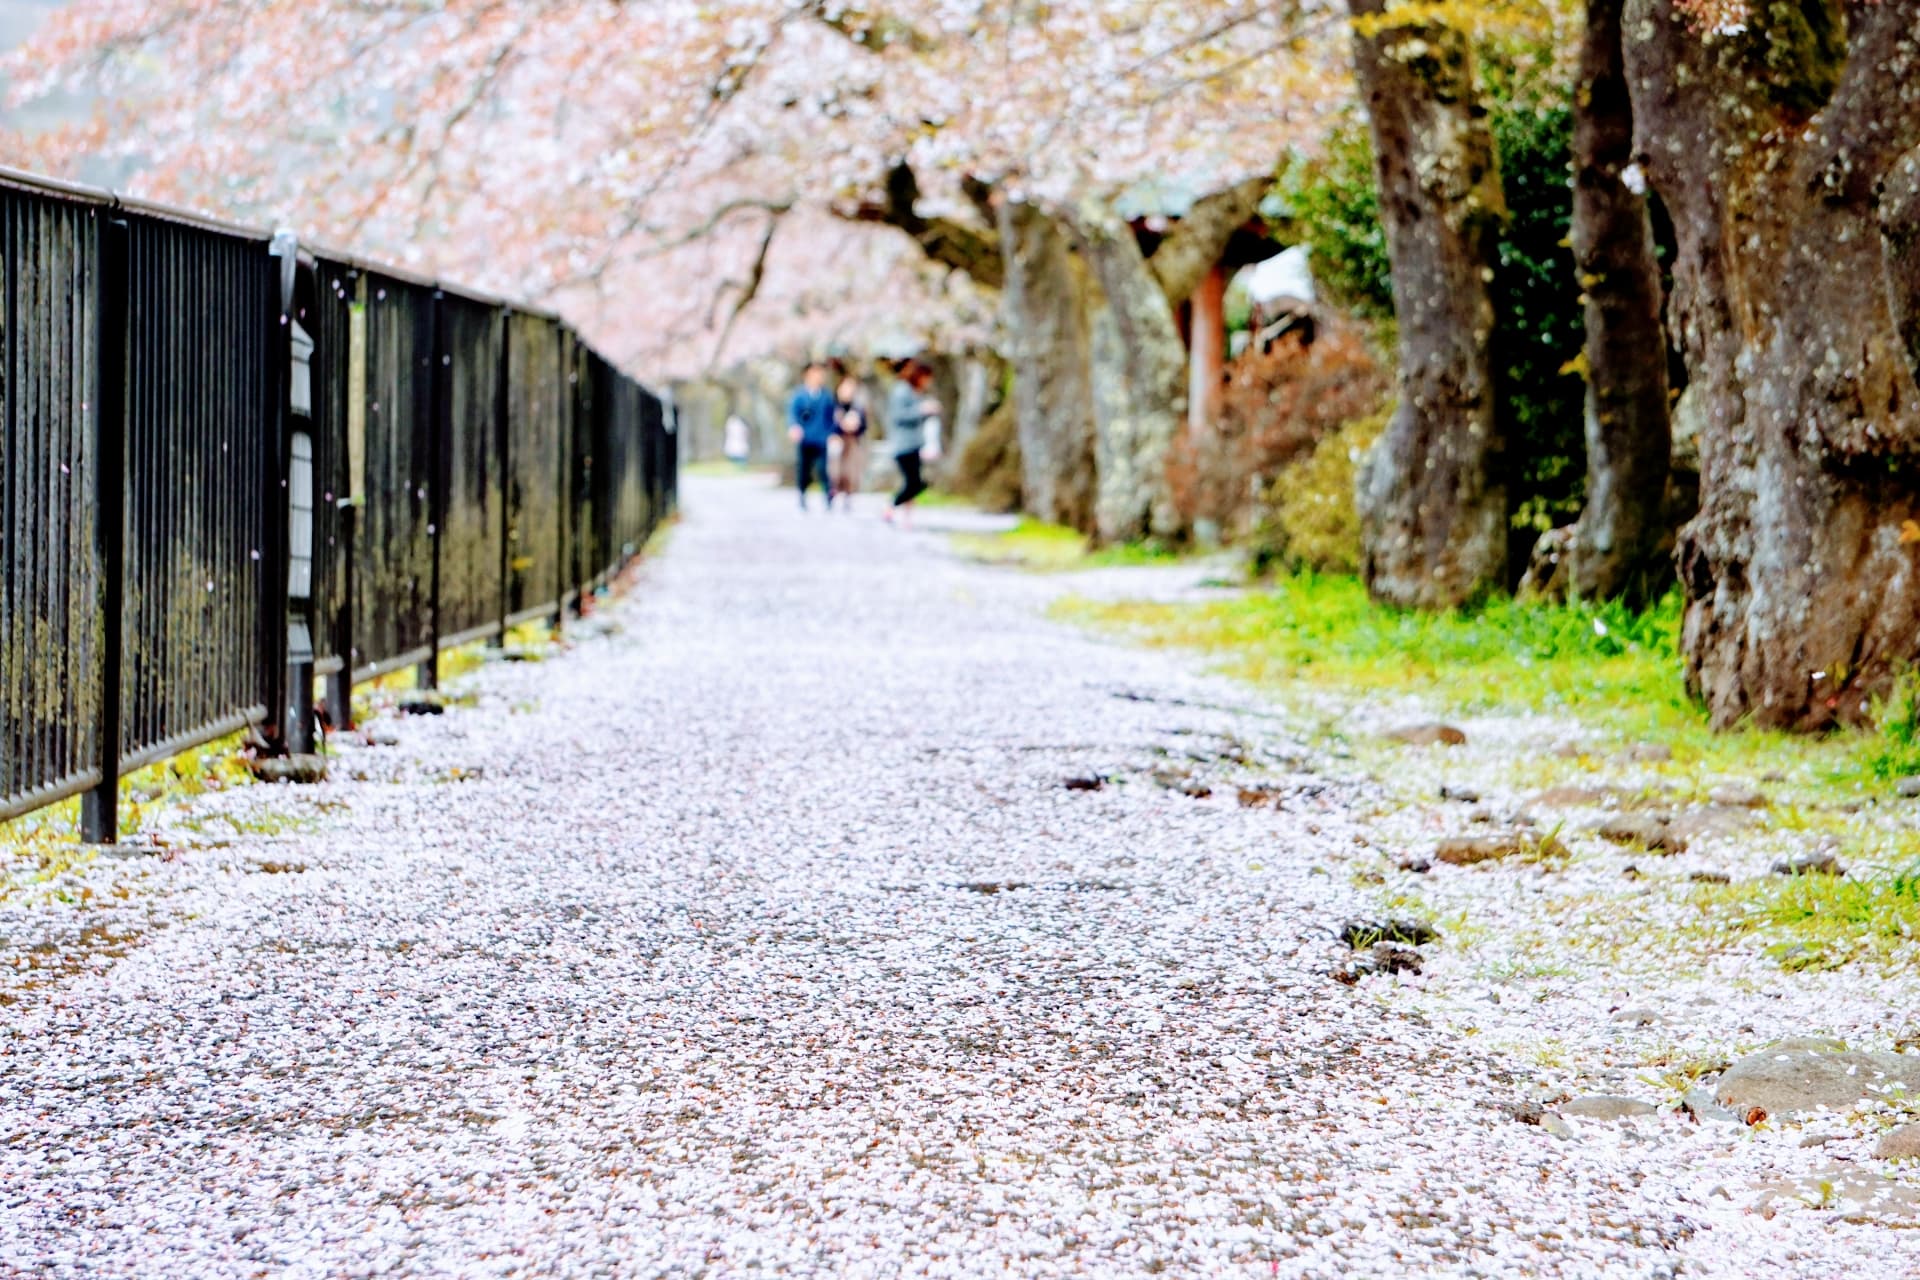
{"type": "Point", "coordinates": [810, 426]}
{"type": "Point", "coordinates": [913, 429]}
{"type": "Point", "coordinates": [738, 440]}
{"type": "Point", "coordinates": [850, 416]}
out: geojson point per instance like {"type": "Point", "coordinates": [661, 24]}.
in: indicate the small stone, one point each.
{"type": "Point", "coordinates": [1092, 782]}
{"type": "Point", "coordinates": [1819, 863]}
{"type": "Point", "coordinates": [1902, 1143]}
{"type": "Point", "coordinates": [1524, 1112]}
{"type": "Point", "coordinates": [1419, 866]}
{"type": "Point", "coordinates": [1642, 830]}
{"type": "Point", "coordinates": [1465, 795]}
{"type": "Point", "coordinates": [1390, 958]}
{"type": "Point", "coordinates": [1647, 753]}
{"type": "Point", "coordinates": [1737, 795]}
{"type": "Point", "coordinates": [1608, 1107]}
{"type": "Point", "coordinates": [303, 770]}
{"type": "Point", "coordinates": [1699, 1104]}
{"type": "Point", "coordinates": [1574, 797]}
{"type": "Point", "coordinates": [1466, 851]}
{"type": "Point", "coordinates": [1710, 877]}
{"type": "Point", "coordinates": [1554, 1125]}
{"type": "Point", "coordinates": [1262, 796]}
{"type": "Point", "coordinates": [422, 704]}
{"type": "Point", "coordinates": [1908, 788]}
{"type": "Point", "coordinates": [1713, 820]}
{"type": "Point", "coordinates": [1429, 735]}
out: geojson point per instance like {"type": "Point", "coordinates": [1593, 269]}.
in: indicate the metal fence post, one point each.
{"type": "Point", "coordinates": [439, 361]}
{"type": "Point", "coordinates": [503, 452]}
{"type": "Point", "coordinates": [295, 351]}
{"type": "Point", "coordinates": [347, 504]}
{"type": "Point", "coordinates": [100, 807]}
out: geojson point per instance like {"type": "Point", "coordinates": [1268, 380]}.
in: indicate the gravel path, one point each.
{"type": "Point", "coordinates": [759, 934]}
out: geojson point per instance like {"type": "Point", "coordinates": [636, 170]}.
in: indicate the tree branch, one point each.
{"type": "Point", "coordinates": [749, 290]}
{"type": "Point", "coordinates": [1196, 242]}
{"type": "Point", "coordinates": [947, 241]}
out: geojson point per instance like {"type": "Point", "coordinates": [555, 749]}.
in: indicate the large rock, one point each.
{"type": "Point", "coordinates": [1851, 1193]}
{"type": "Point", "coordinates": [1789, 1081]}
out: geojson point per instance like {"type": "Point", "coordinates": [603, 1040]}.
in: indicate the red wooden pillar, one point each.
{"type": "Point", "coordinates": [1208, 345]}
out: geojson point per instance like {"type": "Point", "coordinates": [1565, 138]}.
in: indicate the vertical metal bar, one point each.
{"type": "Point", "coordinates": [99, 808]}
{"type": "Point", "coordinates": [438, 426]}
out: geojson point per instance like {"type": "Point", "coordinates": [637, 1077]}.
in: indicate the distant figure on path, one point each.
{"type": "Point", "coordinates": [738, 441]}
{"type": "Point", "coordinates": [810, 426]}
{"type": "Point", "coordinates": [913, 429]}
{"type": "Point", "coordinates": [850, 416]}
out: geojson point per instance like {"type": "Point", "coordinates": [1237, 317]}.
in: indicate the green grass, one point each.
{"type": "Point", "coordinates": [1327, 631]}
{"type": "Point", "coordinates": [1616, 671]}
{"type": "Point", "coordinates": [1051, 548]}
{"type": "Point", "coordinates": [1816, 922]}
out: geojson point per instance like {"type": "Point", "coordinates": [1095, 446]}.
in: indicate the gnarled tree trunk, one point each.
{"type": "Point", "coordinates": [1049, 344]}
{"type": "Point", "coordinates": [1139, 376]}
{"type": "Point", "coordinates": [1622, 543]}
{"type": "Point", "coordinates": [1433, 507]}
{"type": "Point", "coordinates": [1769, 146]}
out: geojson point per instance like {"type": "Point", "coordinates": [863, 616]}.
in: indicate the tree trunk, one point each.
{"type": "Point", "coordinates": [1432, 504]}
{"type": "Point", "coordinates": [1622, 543]}
{"type": "Point", "coordinates": [1768, 146]}
{"type": "Point", "coordinates": [1049, 345]}
{"type": "Point", "coordinates": [1139, 375]}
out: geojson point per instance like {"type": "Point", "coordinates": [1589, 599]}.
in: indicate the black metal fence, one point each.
{"type": "Point", "coordinates": [228, 466]}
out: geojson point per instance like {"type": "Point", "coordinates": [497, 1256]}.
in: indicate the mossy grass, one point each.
{"type": "Point", "coordinates": [1051, 548]}
{"type": "Point", "coordinates": [1616, 672]}
{"type": "Point", "coordinates": [1818, 921]}
{"type": "Point", "coordinates": [47, 841]}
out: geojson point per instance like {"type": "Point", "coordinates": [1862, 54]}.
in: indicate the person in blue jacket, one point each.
{"type": "Point", "coordinates": [811, 422]}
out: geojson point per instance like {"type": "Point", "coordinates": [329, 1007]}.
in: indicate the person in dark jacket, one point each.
{"type": "Point", "coordinates": [812, 420]}
{"type": "Point", "coordinates": [913, 432]}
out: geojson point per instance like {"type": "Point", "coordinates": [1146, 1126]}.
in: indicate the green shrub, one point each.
{"type": "Point", "coordinates": [1313, 523]}
{"type": "Point", "coordinates": [1335, 210]}
{"type": "Point", "coordinates": [1896, 751]}
{"type": "Point", "coordinates": [1539, 328]}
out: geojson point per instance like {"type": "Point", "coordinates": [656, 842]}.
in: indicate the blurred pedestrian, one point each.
{"type": "Point", "coordinates": [738, 441]}
{"type": "Point", "coordinates": [810, 427]}
{"type": "Point", "coordinates": [851, 418]}
{"type": "Point", "coordinates": [913, 431]}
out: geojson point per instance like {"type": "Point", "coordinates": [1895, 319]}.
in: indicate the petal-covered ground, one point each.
{"type": "Point", "coordinates": [761, 933]}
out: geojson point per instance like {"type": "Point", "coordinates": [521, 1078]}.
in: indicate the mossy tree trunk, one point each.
{"type": "Point", "coordinates": [1138, 370]}
{"type": "Point", "coordinates": [1432, 503]}
{"type": "Point", "coordinates": [1049, 343]}
{"type": "Point", "coordinates": [1785, 153]}
{"type": "Point", "coordinates": [1622, 544]}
